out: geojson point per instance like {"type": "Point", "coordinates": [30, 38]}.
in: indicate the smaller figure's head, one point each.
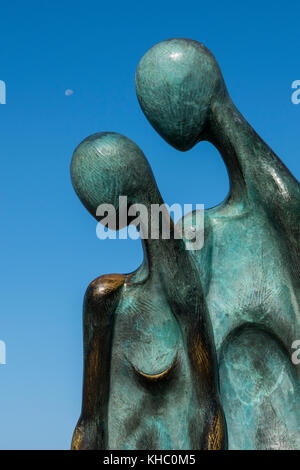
{"type": "Point", "coordinates": [177, 82]}
{"type": "Point", "coordinates": [108, 165]}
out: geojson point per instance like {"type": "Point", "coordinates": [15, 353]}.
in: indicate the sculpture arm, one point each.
{"type": "Point", "coordinates": [98, 317]}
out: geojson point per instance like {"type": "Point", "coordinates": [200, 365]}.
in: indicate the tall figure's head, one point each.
{"type": "Point", "coordinates": [177, 82]}
{"type": "Point", "coordinates": [108, 165]}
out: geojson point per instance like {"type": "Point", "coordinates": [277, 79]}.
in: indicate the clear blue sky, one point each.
{"type": "Point", "coordinates": [49, 250]}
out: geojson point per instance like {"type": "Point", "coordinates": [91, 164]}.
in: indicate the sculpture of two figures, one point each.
{"type": "Point", "coordinates": [194, 349]}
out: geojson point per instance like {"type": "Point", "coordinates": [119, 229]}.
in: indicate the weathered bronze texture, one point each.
{"type": "Point", "coordinates": [159, 341]}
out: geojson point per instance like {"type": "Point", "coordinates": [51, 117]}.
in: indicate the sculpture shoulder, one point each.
{"type": "Point", "coordinates": [101, 291]}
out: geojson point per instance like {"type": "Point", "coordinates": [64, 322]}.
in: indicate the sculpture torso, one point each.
{"type": "Point", "coordinates": [248, 281]}
{"type": "Point", "coordinates": [163, 391]}
{"type": "Point", "coordinates": [249, 266]}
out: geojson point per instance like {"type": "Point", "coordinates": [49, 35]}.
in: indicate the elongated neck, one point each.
{"type": "Point", "coordinates": [161, 249]}
{"type": "Point", "coordinates": [225, 134]}
{"type": "Point", "coordinates": [255, 171]}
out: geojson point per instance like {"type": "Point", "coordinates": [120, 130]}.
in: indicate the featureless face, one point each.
{"type": "Point", "coordinates": [108, 165]}
{"type": "Point", "coordinates": [176, 83]}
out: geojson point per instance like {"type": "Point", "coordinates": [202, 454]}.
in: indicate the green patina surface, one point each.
{"type": "Point", "coordinates": [192, 334]}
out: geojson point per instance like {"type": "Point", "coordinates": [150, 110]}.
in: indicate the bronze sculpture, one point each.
{"type": "Point", "coordinates": [152, 360]}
